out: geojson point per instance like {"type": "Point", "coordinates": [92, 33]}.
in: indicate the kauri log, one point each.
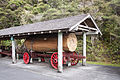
{"type": "Point", "coordinates": [48, 43]}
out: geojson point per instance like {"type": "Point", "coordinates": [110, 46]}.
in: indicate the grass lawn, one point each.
{"type": "Point", "coordinates": [103, 63]}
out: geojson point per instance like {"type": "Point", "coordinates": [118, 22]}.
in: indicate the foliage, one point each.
{"type": "Point", "coordinates": [105, 12]}
{"type": "Point", "coordinates": [103, 63]}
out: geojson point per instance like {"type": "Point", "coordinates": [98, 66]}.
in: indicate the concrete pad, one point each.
{"type": "Point", "coordinates": [78, 72]}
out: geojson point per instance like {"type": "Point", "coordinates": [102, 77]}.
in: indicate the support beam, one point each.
{"type": "Point", "coordinates": [69, 62]}
{"type": "Point", "coordinates": [92, 33]}
{"type": "Point", "coordinates": [86, 27]}
{"type": "Point", "coordinates": [60, 50]}
{"type": "Point", "coordinates": [83, 29]}
{"type": "Point", "coordinates": [84, 49]}
{"type": "Point", "coordinates": [31, 60]}
{"type": "Point", "coordinates": [78, 23]}
{"type": "Point", "coordinates": [13, 50]}
{"type": "Point", "coordinates": [17, 57]}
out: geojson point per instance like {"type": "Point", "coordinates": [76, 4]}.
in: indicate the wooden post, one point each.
{"type": "Point", "coordinates": [13, 50]}
{"type": "Point", "coordinates": [84, 49]}
{"type": "Point", "coordinates": [39, 59]}
{"type": "Point", "coordinates": [31, 60]}
{"type": "Point", "coordinates": [17, 57]}
{"type": "Point", "coordinates": [60, 50]}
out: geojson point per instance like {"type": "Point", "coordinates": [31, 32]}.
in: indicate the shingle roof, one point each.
{"type": "Point", "coordinates": [56, 24]}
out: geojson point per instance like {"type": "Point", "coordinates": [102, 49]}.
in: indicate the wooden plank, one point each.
{"type": "Point", "coordinates": [83, 29]}
{"type": "Point", "coordinates": [86, 27]}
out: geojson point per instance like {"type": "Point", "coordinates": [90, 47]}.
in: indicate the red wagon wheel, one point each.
{"type": "Point", "coordinates": [54, 60]}
{"type": "Point", "coordinates": [26, 58]}
{"type": "Point", "coordinates": [74, 61]}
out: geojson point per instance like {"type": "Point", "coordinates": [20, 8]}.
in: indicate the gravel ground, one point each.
{"type": "Point", "coordinates": [44, 71]}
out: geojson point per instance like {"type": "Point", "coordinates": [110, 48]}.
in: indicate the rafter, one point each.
{"type": "Point", "coordinates": [86, 27]}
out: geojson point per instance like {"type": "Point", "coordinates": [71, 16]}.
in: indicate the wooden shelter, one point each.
{"type": "Point", "coordinates": [83, 23]}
